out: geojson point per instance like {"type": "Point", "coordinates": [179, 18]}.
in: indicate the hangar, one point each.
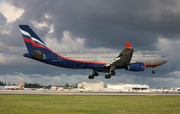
{"type": "Point", "coordinates": [128, 87]}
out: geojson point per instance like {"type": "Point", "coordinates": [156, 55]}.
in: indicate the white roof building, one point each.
{"type": "Point", "coordinates": [127, 87]}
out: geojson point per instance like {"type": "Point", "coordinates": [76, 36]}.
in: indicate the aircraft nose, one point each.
{"type": "Point", "coordinates": [165, 59]}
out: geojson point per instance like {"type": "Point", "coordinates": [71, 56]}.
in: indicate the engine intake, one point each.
{"type": "Point", "coordinates": [136, 67]}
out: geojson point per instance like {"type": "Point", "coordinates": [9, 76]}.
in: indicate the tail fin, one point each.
{"type": "Point", "coordinates": [21, 85]}
{"type": "Point", "coordinates": [32, 41]}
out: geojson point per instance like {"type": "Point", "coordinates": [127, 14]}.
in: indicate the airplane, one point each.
{"type": "Point", "coordinates": [106, 62]}
{"type": "Point", "coordinates": [20, 86]}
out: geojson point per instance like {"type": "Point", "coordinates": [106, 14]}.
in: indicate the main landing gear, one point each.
{"type": "Point", "coordinates": [94, 73]}
{"type": "Point", "coordinates": [154, 70]}
{"type": "Point", "coordinates": [111, 73]}
{"type": "Point", "coordinates": [107, 76]}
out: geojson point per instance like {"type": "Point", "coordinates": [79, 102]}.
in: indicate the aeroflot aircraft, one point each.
{"type": "Point", "coordinates": [98, 62]}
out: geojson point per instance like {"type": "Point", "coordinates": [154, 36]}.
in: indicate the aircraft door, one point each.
{"type": "Point", "coordinates": [95, 57]}
{"type": "Point", "coordinates": [140, 56]}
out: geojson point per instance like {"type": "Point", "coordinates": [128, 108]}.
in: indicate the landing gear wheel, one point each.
{"type": "Point", "coordinates": [91, 76]}
{"type": "Point", "coordinates": [112, 73]}
{"type": "Point", "coordinates": [154, 72]}
{"type": "Point", "coordinates": [107, 76]}
{"type": "Point", "coordinates": [95, 73]}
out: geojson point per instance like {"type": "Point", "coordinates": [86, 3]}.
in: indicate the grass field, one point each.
{"type": "Point", "coordinates": [58, 104]}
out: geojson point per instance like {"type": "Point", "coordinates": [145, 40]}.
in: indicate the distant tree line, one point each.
{"type": "Point", "coordinates": [36, 85]}
{"type": "Point", "coordinates": [67, 86]}
{"type": "Point", "coordinates": [32, 85]}
{"type": "Point", "coordinates": [2, 83]}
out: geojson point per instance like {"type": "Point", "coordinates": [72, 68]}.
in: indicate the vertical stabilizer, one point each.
{"type": "Point", "coordinates": [32, 41]}
{"type": "Point", "coordinates": [21, 85]}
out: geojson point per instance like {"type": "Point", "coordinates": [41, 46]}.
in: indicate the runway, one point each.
{"type": "Point", "coordinates": [21, 92]}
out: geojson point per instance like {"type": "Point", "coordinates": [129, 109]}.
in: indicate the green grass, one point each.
{"type": "Point", "coordinates": [58, 104]}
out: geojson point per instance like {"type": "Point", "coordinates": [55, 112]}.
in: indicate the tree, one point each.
{"type": "Point", "coordinates": [2, 83]}
{"type": "Point", "coordinates": [34, 85]}
{"type": "Point", "coordinates": [66, 86]}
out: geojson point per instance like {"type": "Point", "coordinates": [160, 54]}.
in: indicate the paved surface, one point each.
{"type": "Point", "coordinates": [86, 93]}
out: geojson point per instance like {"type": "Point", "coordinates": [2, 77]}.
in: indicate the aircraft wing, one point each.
{"type": "Point", "coordinates": [123, 58]}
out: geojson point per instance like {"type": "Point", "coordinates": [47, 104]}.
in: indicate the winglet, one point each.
{"type": "Point", "coordinates": [128, 45]}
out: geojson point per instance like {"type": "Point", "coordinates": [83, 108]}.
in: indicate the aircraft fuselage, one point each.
{"type": "Point", "coordinates": [97, 60]}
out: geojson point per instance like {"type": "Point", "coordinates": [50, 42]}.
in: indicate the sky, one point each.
{"type": "Point", "coordinates": [90, 25]}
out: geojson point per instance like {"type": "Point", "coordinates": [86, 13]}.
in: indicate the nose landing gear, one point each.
{"type": "Point", "coordinates": [154, 70]}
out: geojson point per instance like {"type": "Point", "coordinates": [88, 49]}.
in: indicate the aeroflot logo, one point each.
{"type": "Point", "coordinates": [34, 39]}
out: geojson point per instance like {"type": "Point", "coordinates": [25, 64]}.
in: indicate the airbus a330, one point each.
{"type": "Point", "coordinates": [106, 62]}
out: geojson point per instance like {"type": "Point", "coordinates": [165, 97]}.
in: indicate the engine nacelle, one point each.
{"type": "Point", "coordinates": [136, 67]}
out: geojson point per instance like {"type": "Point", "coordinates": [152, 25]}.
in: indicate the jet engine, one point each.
{"type": "Point", "coordinates": [139, 66]}
{"type": "Point", "coordinates": [38, 55]}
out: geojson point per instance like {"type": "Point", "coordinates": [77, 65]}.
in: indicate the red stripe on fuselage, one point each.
{"type": "Point", "coordinates": [74, 60]}
{"type": "Point", "coordinates": [29, 40]}
{"type": "Point", "coordinates": [81, 61]}
{"type": "Point", "coordinates": [151, 65]}
{"type": "Point", "coordinates": [70, 59]}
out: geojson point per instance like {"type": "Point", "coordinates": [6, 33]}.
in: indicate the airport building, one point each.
{"type": "Point", "coordinates": [2, 87]}
{"type": "Point", "coordinates": [128, 87]}
{"type": "Point", "coordinates": [99, 86]}
{"type": "Point", "coordinates": [58, 88]}
{"type": "Point", "coordinates": [91, 85]}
